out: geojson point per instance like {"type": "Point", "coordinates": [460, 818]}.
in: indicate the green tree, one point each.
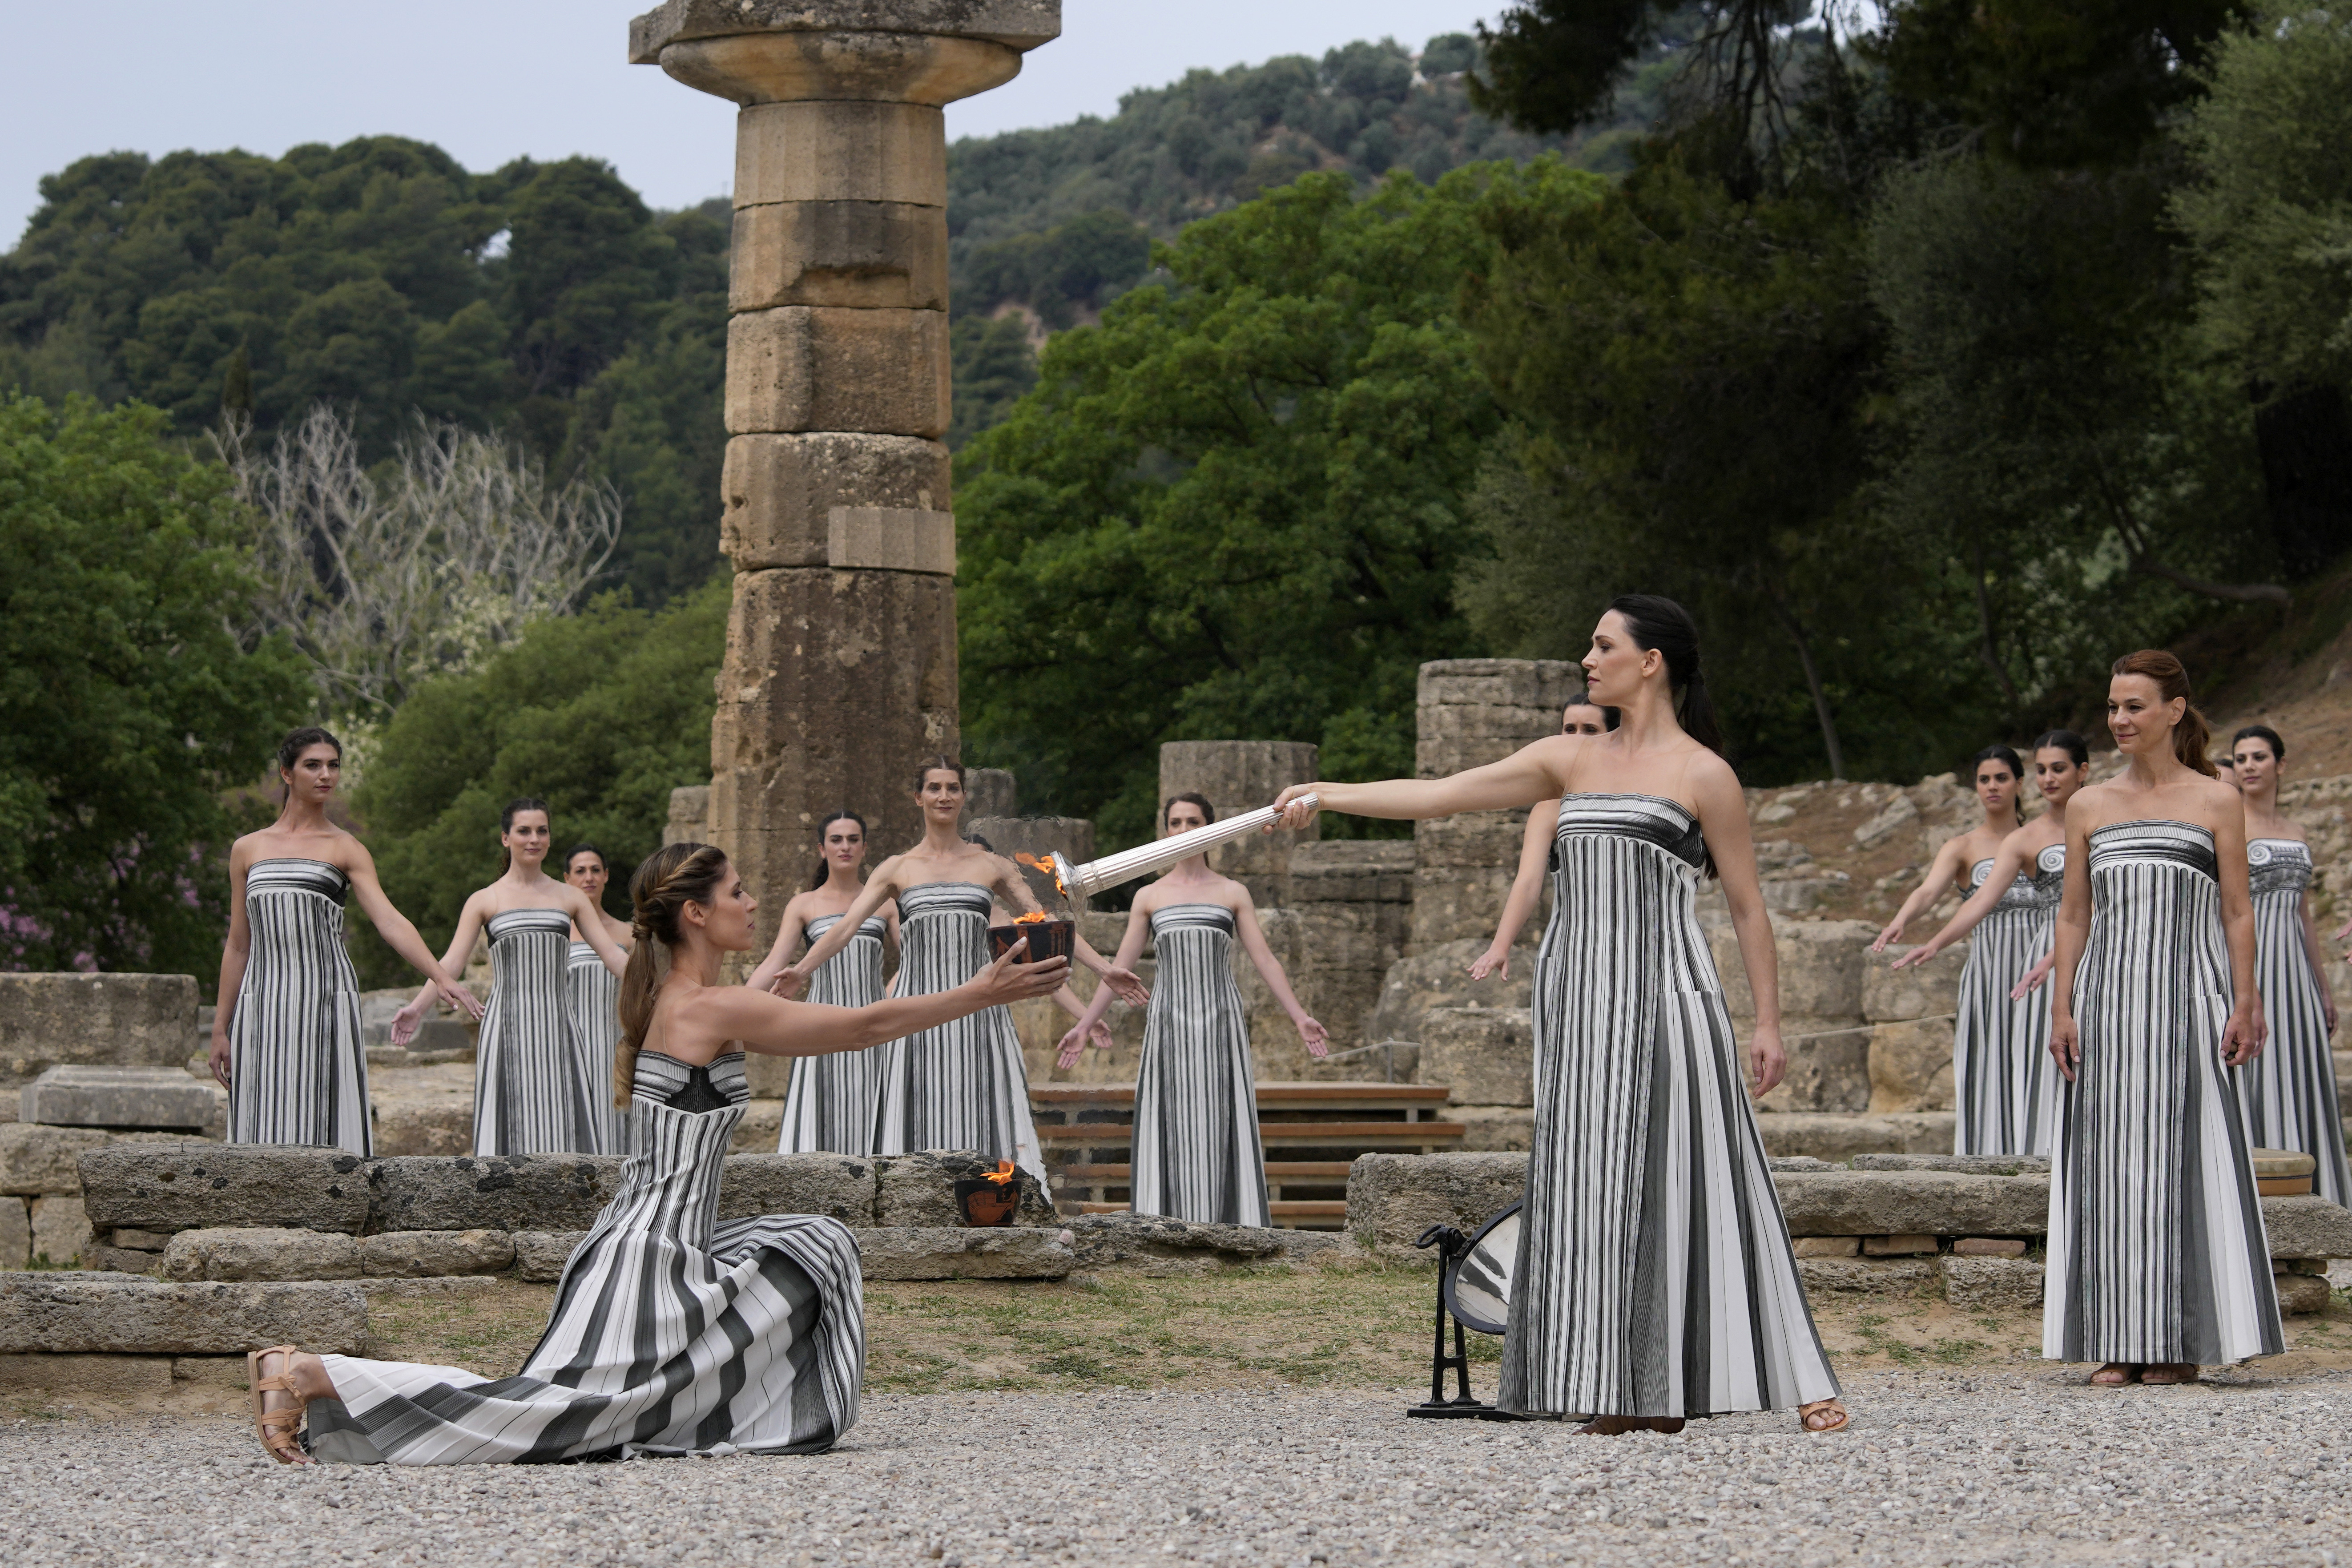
{"type": "Point", "coordinates": [993, 366]}
{"type": "Point", "coordinates": [600, 714]}
{"type": "Point", "coordinates": [2269, 212]}
{"type": "Point", "coordinates": [127, 708]}
{"type": "Point", "coordinates": [1234, 509]}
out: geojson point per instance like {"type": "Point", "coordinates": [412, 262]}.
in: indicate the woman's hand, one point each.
{"type": "Point", "coordinates": [405, 1022]}
{"type": "Point", "coordinates": [2344, 933]}
{"type": "Point", "coordinates": [1081, 1036]}
{"type": "Point", "coordinates": [1125, 985]}
{"type": "Point", "coordinates": [1768, 1060]}
{"type": "Point", "coordinates": [1295, 813]}
{"type": "Point", "coordinates": [2242, 1035]}
{"type": "Point", "coordinates": [2030, 981]}
{"type": "Point", "coordinates": [2327, 1006]}
{"type": "Point", "coordinates": [1005, 982]}
{"type": "Point", "coordinates": [2066, 1044]}
{"type": "Point", "coordinates": [1494, 961]}
{"type": "Point", "coordinates": [1893, 933]}
{"type": "Point", "coordinates": [1317, 1037]}
{"type": "Point", "coordinates": [1916, 957]}
{"type": "Point", "coordinates": [217, 1058]}
{"type": "Point", "coordinates": [790, 983]}
{"type": "Point", "coordinates": [456, 995]}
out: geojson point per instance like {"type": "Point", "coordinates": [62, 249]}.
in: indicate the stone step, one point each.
{"type": "Point", "coordinates": [159, 1099]}
{"type": "Point", "coordinates": [1393, 1198]}
{"type": "Point", "coordinates": [120, 1314]}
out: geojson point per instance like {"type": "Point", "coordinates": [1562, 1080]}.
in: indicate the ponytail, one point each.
{"type": "Point", "coordinates": [2192, 735]}
{"type": "Point", "coordinates": [669, 878]}
{"type": "Point", "coordinates": [1697, 715]}
{"type": "Point", "coordinates": [1656, 622]}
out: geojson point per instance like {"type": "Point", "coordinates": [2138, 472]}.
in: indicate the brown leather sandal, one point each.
{"type": "Point", "coordinates": [1823, 1416]}
{"type": "Point", "coordinates": [276, 1428]}
{"type": "Point", "coordinates": [2171, 1372]}
{"type": "Point", "coordinates": [2117, 1374]}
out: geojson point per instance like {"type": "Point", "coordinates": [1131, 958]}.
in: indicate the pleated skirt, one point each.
{"type": "Point", "coordinates": [298, 1060]}
{"type": "Point", "coordinates": [1655, 1276]}
{"type": "Point", "coordinates": [2003, 1082]}
{"type": "Point", "coordinates": [2157, 1248]}
{"type": "Point", "coordinates": [671, 1334]}
{"type": "Point", "coordinates": [2289, 1091]}
{"type": "Point", "coordinates": [594, 994]}
{"type": "Point", "coordinates": [1196, 1155]}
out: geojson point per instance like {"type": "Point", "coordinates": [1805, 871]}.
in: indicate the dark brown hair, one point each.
{"type": "Point", "coordinates": [1190, 797]}
{"type": "Point", "coordinates": [506, 826]}
{"type": "Point", "coordinates": [824, 872]}
{"type": "Point", "coordinates": [937, 764]}
{"type": "Point", "coordinates": [290, 748]}
{"type": "Point", "coordinates": [2066, 740]}
{"type": "Point", "coordinates": [1658, 622]}
{"type": "Point", "coordinates": [2192, 735]}
{"type": "Point", "coordinates": [671, 877]}
{"type": "Point", "coordinates": [1998, 752]}
{"type": "Point", "coordinates": [2264, 734]}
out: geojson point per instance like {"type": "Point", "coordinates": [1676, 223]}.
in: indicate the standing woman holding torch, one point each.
{"type": "Point", "coordinates": [2157, 1258]}
{"type": "Point", "coordinates": [2289, 1089]}
{"type": "Point", "coordinates": [959, 1084]}
{"type": "Point", "coordinates": [286, 1037]}
{"type": "Point", "coordinates": [1196, 1149]}
{"type": "Point", "coordinates": [1656, 1279]}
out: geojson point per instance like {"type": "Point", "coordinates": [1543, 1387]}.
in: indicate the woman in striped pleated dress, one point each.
{"type": "Point", "coordinates": [1580, 717]}
{"type": "Point", "coordinates": [1654, 1280]}
{"type": "Point", "coordinates": [962, 1085]}
{"type": "Point", "coordinates": [2003, 1088]}
{"type": "Point", "coordinates": [2157, 1259]}
{"type": "Point", "coordinates": [829, 1105]}
{"type": "Point", "coordinates": [2290, 1089]}
{"type": "Point", "coordinates": [593, 990]}
{"type": "Point", "coordinates": [533, 1091]}
{"type": "Point", "coordinates": [286, 1037]}
{"type": "Point", "coordinates": [1195, 1153]}
{"type": "Point", "coordinates": [672, 1333]}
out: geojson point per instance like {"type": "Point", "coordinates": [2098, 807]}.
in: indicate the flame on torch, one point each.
{"type": "Point", "coordinates": [1049, 868]}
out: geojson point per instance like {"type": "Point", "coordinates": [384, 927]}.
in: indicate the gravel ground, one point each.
{"type": "Point", "coordinates": [1990, 1467]}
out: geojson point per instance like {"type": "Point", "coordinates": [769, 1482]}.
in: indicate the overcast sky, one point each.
{"type": "Point", "coordinates": [494, 79]}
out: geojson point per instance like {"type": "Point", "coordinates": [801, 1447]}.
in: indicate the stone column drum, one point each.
{"type": "Point", "coordinates": [841, 650]}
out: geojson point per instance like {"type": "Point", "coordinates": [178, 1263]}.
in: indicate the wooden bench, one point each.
{"type": "Point", "coordinates": [1086, 1131]}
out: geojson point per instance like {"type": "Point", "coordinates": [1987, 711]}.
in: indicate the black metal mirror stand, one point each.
{"type": "Point", "coordinates": [1451, 1247]}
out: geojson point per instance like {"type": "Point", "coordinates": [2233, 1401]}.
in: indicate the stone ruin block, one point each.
{"type": "Point", "coordinates": [160, 1097]}
{"type": "Point", "coordinates": [1484, 1056]}
{"type": "Point", "coordinates": [117, 1314]}
{"type": "Point", "coordinates": [94, 1020]}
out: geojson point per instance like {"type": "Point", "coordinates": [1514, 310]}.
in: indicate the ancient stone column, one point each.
{"type": "Point", "coordinates": [841, 648]}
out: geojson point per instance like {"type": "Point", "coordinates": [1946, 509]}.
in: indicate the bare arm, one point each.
{"type": "Point", "coordinates": [590, 919]}
{"type": "Point", "coordinates": [785, 980]}
{"type": "Point", "coordinates": [2006, 864]}
{"type": "Point", "coordinates": [1941, 873]}
{"type": "Point", "coordinates": [773, 1026]}
{"type": "Point", "coordinates": [1723, 818]}
{"type": "Point", "coordinates": [2241, 1041]}
{"type": "Point", "coordinates": [469, 927]}
{"type": "Point", "coordinates": [234, 955]}
{"type": "Point", "coordinates": [2073, 932]}
{"type": "Point", "coordinates": [1526, 888]}
{"type": "Point", "coordinates": [395, 930]}
{"type": "Point", "coordinates": [2317, 959]}
{"type": "Point", "coordinates": [789, 931]}
{"type": "Point", "coordinates": [1131, 948]}
{"type": "Point", "coordinates": [1270, 969]}
{"type": "Point", "coordinates": [1536, 771]}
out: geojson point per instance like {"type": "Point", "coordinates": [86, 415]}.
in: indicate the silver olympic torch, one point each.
{"type": "Point", "coordinates": [1081, 881]}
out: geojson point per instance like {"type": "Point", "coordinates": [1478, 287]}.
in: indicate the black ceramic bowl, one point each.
{"type": "Point", "coordinates": [1047, 939]}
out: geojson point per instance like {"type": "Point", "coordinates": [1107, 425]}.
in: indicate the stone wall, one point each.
{"type": "Point", "coordinates": [92, 1020]}
{"type": "Point", "coordinates": [1473, 711]}
{"type": "Point", "coordinates": [1353, 898]}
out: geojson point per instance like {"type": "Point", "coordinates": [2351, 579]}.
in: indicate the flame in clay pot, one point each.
{"type": "Point", "coordinates": [1004, 1168]}
{"type": "Point", "coordinates": [1034, 917]}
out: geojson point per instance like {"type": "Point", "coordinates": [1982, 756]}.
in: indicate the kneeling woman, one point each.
{"type": "Point", "coordinates": [671, 1334]}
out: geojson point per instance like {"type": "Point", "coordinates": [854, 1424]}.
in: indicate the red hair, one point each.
{"type": "Point", "coordinates": [2192, 735]}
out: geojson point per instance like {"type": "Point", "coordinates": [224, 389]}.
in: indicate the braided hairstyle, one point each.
{"type": "Point", "coordinates": [667, 880]}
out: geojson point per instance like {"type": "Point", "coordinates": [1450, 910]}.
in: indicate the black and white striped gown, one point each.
{"type": "Point", "coordinates": [1654, 1275]}
{"type": "Point", "coordinates": [1196, 1153]}
{"type": "Point", "coordinates": [298, 1062]}
{"type": "Point", "coordinates": [531, 1093]}
{"type": "Point", "coordinates": [961, 1085]}
{"type": "Point", "coordinates": [2157, 1249]}
{"type": "Point", "coordinates": [829, 1105]}
{"type": "Point", "coordinates": [594, 993]}
{"type": "Point", "coordinates": [2002, 1072]}
{"type": "Point", "coordinates": [672, 1333]}
{"type": "Point", "coordinates": [2289, 1090]}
